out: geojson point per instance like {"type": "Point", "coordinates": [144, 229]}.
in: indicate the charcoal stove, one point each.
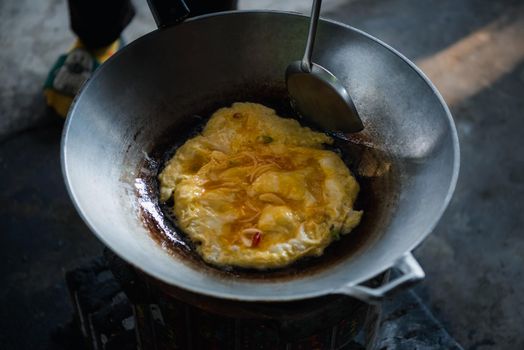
{"type": "Point", "coordinates": [118, 307]}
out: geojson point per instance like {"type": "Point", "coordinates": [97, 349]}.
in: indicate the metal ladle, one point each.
{"type": "Point", "coordinates": [316, 94]}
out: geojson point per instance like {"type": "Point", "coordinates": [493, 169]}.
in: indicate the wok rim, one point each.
{"type": "Point", "coordinates": [322, 290]}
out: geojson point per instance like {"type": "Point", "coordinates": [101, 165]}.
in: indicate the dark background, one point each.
{"type": "Point", "coordinates": [472, 49]}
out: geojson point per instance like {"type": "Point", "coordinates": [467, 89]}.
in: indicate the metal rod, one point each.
{"type": "Point", "coordinates": [315, 12]}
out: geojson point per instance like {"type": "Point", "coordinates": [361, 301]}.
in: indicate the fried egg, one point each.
{"type": "Point", "coordinates": [256, 190]}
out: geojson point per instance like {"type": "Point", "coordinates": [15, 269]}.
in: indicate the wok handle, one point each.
{"type": "Point", "coordinates": [411, 273]}
{"type": "Point", "coordinates": [168, 12]}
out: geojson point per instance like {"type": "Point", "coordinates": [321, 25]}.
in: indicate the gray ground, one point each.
{"type": "Point", "coordinates": [472, 49]}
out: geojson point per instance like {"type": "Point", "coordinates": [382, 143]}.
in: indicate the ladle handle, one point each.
{"type": "Point", "coordinates": [411, 273]}
{"type": "Point", "coordinates": [315, 13]}
{"type": "Point", "coordinates": [168, 12]}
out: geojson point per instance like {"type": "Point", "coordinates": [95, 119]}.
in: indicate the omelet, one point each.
{"type": "Point", "coordinates": [255, 190]}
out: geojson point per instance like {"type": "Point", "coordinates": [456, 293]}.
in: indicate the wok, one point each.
{"type": "Point", "coordinates": [145, 97]}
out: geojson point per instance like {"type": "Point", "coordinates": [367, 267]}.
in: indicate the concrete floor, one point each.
{"type": "Point", "coordinates": [472, 49]}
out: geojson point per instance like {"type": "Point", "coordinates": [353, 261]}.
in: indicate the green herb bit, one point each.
{"type": "Point", "coordinates": [265, 139]}
{"type": "Point", "coordinates": [335, 233]}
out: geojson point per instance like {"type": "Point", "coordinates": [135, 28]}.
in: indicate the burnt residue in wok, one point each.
{"type": "Point", "coordinates": [372, 168]}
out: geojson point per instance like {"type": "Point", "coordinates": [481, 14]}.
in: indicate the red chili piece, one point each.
{"type": "Point", "coordinates": [256, 239]}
